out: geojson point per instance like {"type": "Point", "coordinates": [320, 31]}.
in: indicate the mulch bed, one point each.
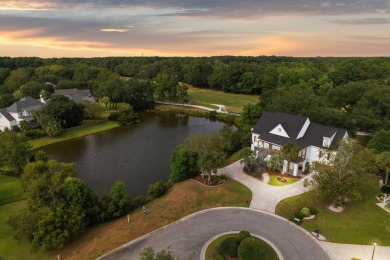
{"type": "Point", "coordinates": [204, 180]}
{"type": "Point", "coordinates": [279, 173]}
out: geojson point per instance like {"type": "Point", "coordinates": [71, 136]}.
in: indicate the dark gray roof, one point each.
{"type": "Point", "coordinates": [4, 113]}
{"type": "Point", "coordinates": [293, 124]}
{"type": "Point", "coordinates": [26, 103]}
{"type": "Point", "coordinates": [75, 94]}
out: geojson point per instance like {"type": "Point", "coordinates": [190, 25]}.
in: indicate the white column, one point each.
{"type": "Point", "coordinates": [295, 172]}
{"type": "Point", "coordinates": [285, 163]}
{"type": "Point", "coordinates": [303, 165]}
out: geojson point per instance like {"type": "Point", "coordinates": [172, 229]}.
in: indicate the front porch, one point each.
{"type": "Point", "coordinates": [296, 167]}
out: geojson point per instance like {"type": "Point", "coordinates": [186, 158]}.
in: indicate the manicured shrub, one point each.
{"type": "Point", "coordinates": [218, 256]}
{"type": "Point", "coordinates": [305, 211]}
{"type": "Point", "coordinates": [229, 246]}
{"type": "Point", "coordinates": [216, 180]}
{"type": "Point", "coordinates": [243, 234]}
{"type": "Point", "coordinates": [385, 189]}
{"type": "Point", "coordinates": [299, 215]}
{"type": "Point", "coordinates": [313, 210]}
{"type": "Point", "coordinates": [250, 248]}
{"type": "Point", "coordinates": [157, 189]}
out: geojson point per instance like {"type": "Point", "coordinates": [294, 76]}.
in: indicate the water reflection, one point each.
{"type": "Point", "coordinates": [138, 155]}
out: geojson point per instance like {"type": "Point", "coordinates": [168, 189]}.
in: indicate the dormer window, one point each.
{"type": "Point", "coordinates": [326, 142]}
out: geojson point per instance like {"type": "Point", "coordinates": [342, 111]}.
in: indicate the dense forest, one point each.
{"type": "Point", "coordinates": [353, 93]}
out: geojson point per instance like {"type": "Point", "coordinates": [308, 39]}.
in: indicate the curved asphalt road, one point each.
{"type": "Point", "coordinates": [187, 236]}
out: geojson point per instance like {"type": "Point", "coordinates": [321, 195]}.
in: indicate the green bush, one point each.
{"type": "Point", "coordinates": [313, 210]}
{"type": "Point", "coordinates": [184, 164]}
{"type": "Point", "coordinates": [299, 215]}
{"type": "Point", "coordinates": [216, 180]}
{"type": "Point", "coordinates": [213, 114]}
{"type": "Point", "coordinates": [157, 189]}
{"type": "Point", "coordinates": [243, 234]}
{"type": "Point", "coordinates": [306, 212]}
{"type": "Point", "coordinates": [217, 256]}
{"type": "Point", "coordinates": [229, 246]}
{"type": "Point", "coordinates": [250, 248]}
{"type": "Point", "coordinates": [140, 201]}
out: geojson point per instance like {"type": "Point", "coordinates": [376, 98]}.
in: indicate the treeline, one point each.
{"type": "Point", "coordinates": [346, 92]}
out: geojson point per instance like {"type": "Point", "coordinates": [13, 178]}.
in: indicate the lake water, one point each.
{"type": "Point", "coordinates": [138, 154]}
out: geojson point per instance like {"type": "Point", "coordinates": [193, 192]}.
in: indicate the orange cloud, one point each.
{"type": "Point", "coordinates": [115, 30]}
{"type": "Point", "coordinates": [29, 38]}
{"type": "Point", "coordinates": [26, 5]}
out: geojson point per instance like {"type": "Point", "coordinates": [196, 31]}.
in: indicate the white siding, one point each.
{"type": "Point", "coordinates": [312, 153]}
{"type": "Point", "coordinates": [279, 130]}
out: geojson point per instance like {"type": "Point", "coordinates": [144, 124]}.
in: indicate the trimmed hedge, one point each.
{"type": "Point", "coordinates": [229, 246]}
{"type": "Point", "coordinates": [306, 212]}
{"type": "Point", "coordinates": [250, 248]}
{"type": "Point", "coordinates": [243, 234]}
{"type": "Point", "coordinates": [299, 215]}
{"type": "Point", "coordinates": [313, 210]}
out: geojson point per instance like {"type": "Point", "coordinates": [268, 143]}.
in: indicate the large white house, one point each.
{"type": "Point", "coordinates": [11, 117]}
{"type": "Point", "coordinates": [315, 142]}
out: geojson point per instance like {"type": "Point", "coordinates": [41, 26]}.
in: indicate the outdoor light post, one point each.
{"type": "Point", "coordinates": [373, 251]}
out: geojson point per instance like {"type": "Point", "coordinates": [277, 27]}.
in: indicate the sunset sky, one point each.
{"type": "Point", "coordinates": [88, 28]}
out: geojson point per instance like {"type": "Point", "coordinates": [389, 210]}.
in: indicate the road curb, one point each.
{"type": "Point", "coordinates": [307, 234]}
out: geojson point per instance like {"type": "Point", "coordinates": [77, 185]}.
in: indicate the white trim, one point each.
{"type": "Point", "coordinates": [279, 130]}
{"type": "Point", "coordinates": [304, 128]}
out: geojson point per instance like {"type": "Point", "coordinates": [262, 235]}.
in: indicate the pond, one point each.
{"type": "Point", "coordinates": [138, 154]}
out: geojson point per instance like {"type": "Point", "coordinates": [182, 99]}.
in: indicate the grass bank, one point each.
{"type": "Point", "coordinates": [11, 249]}
{"type": "Point", "coordinates": [233, 102]}
{"type": "Point", "coordinates": [10, 186]}
{"type": "Point", "coordinates": [39, 142]}
{"type": "Point", "coordinates": [362, 222]}
{"type": "Point", "coordinates": [182, 199]}
{"type": "Point", "coordinates": [10, 190]}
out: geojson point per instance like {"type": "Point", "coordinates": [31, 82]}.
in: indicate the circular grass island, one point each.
{"type": "Point", "coordinates": [242, 244]}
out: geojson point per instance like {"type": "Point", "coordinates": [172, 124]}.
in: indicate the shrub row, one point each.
{"type": "Point", "coordinates": [245, 247]}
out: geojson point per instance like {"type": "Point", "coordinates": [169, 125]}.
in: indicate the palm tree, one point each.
{"type": "Point", "coordinates": [384, 160]}
{"type": "Point", "coordinates": [289, 151]}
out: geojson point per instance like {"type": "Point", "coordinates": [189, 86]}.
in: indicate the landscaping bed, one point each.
{"type": "Point", "coordinates": [215, 179]}
{"type": "Point", "coordinates": [216, 248]}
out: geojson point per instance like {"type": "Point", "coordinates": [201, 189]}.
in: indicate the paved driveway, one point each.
{"type": "Point", "coordinates": [188, 235]}
{"type": "Point", "coordinates": [264, 196]}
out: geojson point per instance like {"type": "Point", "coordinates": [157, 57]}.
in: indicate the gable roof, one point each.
{"type": "Point", "coordinates": [75, 94]}
{"type": "Point", "coordinates": [293, 124]}
{"type": "Point", "coordinates": [26, 103]}
{"type": "Point", "coordinates": [6, 115]}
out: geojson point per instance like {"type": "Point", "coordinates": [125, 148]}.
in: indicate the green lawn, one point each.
{"type": "Point", "coordinates": [273, 181]}
{"type": "Point", "coordinates": [39, 142]}
{"type": "Point", "coordinates": [233, 102]}
{"type": "Point", "coordinates": [10, 187]}
{"type": "Point", "coordinates": [232, 158]}
{"type": "Point", "coordinates": [212, 249]}
{"type": "Point", "coordinates": [362, 222]}
{"type": "Point", "coordinates": [11, 249]}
